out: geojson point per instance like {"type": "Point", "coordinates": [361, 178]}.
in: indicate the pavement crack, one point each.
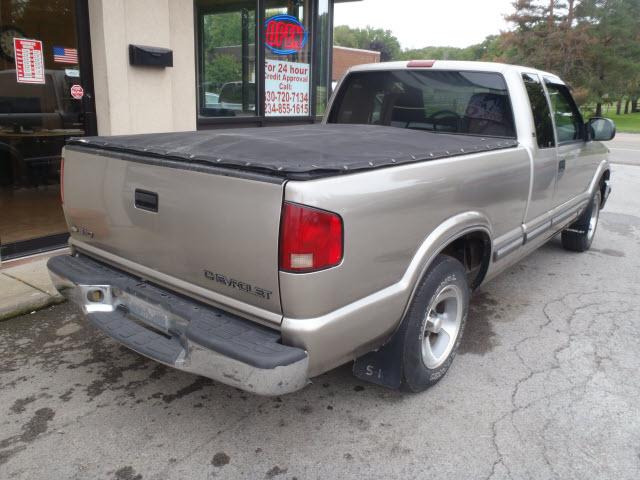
{"type": "Point", "coordinates": [570, 337]}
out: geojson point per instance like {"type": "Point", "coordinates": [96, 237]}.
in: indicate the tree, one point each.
{"type": "Point", "coordinates": [368, 38]}
{"type": "Point", "coordinates": [437, 53]}
{"type": "Point", "coordinates": [221, 47]}
{"type": "Point", "coordinates": [222, 69]}
{"type": "Point", "coordinates": [544, 35]}
{"type": "Point", "coordinates": [490, 50]}
{"type": "Point", "coordinates": [611, 60]}
{"type": "Point", "coordinates": [593, 44]}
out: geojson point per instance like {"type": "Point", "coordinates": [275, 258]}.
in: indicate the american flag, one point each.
{"type": "Point", "coordinates": [65, 55]}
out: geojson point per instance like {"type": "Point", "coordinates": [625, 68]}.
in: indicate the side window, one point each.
{"type": "Point", "coordinates": [541, 111]}
{"type": "Point", "coordinates": [569, 122]}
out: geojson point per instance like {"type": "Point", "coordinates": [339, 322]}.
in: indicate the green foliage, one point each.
{"type": "Point", "coordinates": [629, 123]}
{"type": "Point", "coordinates": [222, 38]}
{"type": "Point", "coordinates": [488, 50]}
{"type": "Point", "coordinates": [222, 69]}
{"type": "Point", "coordinates": [438, 53]}
{"type": "Point", "coordinates": [613, 53]}
{"type": "Point", "coordinates": [224, 29]}
{"type": "Point", "coordinates": [368, 38]}
{"type": "Point", "coordinates": [593, 44]}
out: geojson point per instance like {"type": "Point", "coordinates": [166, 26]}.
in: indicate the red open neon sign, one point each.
{"type": "Point", "coordinates": [285, 35]}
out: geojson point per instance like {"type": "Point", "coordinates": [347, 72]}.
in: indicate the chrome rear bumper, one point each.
{"type": "Point", "coordinates": [180, 332]}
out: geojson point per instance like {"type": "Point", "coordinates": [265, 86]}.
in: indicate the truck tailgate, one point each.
{"type": "Point", "coordinates": [185, 226]}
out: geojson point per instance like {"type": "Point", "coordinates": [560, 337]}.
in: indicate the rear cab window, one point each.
{"type": "Point", "coordinates": [454, 102]}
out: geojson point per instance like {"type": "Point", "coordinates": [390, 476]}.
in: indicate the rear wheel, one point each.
{"type": "Point", "coordinates": [432, 330]}
{"type": "Point", "coordinates": [579, 236]}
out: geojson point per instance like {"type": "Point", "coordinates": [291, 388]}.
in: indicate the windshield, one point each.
{"type": "Point", "coordinates": [470, 103]}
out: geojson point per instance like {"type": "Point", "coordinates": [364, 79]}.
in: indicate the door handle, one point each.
{"type": "Point", "coordinates": [562, 166]}
{"type": "Point", "coordinates": [145, 200]}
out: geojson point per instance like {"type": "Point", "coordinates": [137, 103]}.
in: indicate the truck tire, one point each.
{"type": "Point", "coordinates": [433, 327]}
{"type": "Point", "coordinates": [579, 236]}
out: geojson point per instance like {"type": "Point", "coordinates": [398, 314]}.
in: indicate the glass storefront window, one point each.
{"type": "Point", "coordinates": [37, 114]}
{"type": "Point", "coordinates": [227, 73]}
{"type": "Point", "coordinates": [288, 58]}
{"type": "Point", "coordinates": [283, 74]}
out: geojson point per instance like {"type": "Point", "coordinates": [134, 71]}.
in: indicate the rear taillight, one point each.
{"type": "Point", "coordinates": [62, 180]}
{"type": "Point", "coordinates": [310, 239]}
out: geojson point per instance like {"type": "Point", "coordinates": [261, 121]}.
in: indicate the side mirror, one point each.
{"type": "Point", "coordinates": [601, 129]}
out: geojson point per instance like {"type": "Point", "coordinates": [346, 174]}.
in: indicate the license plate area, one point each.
{"type": "Point", "coordinates": [146, 313]}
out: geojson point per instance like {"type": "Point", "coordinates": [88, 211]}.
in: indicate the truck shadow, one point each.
{"type": "Point", "coordinates": [85, 366]}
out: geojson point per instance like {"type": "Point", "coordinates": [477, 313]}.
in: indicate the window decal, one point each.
{"type": "Point", "coordinates": [29, 60]}
{"type": "Point", "coordinates": [286, 89]}
{"type": "Point", "coordinates": [285, 34]}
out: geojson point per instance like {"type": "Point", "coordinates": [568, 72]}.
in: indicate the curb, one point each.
{"type": "Point", "coordinates": [29, 306]}
{"type": "Point", "coordinates": [26, 286]}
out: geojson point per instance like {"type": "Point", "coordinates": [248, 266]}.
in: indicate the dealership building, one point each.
{"type": "Point", "coordinates": [111, 67]}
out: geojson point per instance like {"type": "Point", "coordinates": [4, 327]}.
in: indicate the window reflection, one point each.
{"type": "Point", "coordinates": [35, 120]}
{"type": "Point", "coordinates": [227, 79]}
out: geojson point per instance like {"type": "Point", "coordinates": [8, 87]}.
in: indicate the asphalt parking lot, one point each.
{"type": "Point", "coordinates": [626, 149]}
{"type": "Point", "coordinates": [546, 385]}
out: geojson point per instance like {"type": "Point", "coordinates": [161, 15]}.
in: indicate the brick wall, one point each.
{"type": "Point", "coordinates": [344, 58]}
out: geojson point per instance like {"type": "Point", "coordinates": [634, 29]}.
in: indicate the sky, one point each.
{"type": "Point", "coordinates": [422, 23]}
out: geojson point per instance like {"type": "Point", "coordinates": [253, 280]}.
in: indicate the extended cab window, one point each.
{"type": "Point", "coordinates": [471, 103]}
{"type": "Point", "coordinates": [540, 110]}
{"type": "Point", "coordinates": [569, 123]}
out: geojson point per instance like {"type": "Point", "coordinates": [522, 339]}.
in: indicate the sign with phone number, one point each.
{"type": "Point", "coordinates": [287, 88]}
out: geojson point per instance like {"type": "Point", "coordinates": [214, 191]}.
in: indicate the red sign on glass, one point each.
{"type": "Point", "coordinates": [77, 92]}
{"type": "Point", "coordinates": [285, 35]}
{"type": "Point", "coordinates": [29, 60]}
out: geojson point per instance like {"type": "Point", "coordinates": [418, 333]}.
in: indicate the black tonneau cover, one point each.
{"type": "Point", "coordinates": [298, 152]}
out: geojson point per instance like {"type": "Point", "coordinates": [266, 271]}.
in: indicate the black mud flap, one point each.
{"type": "Point", "coordinates": [382, 367]}
{"type": "Point", "coordinates": [605, 197]}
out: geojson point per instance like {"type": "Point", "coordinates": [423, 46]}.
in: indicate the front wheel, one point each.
{"type": "Point", "coordinates": [433, 327]}
{"type": "Point", "coordinates": [578, 237]}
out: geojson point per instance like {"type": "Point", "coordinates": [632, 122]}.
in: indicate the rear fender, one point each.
{"type": "Point", "coordinates": [382, 366]}
{"type": "Point", "coordinates": [446, 233]}
{"type": "Point", "coordinates": [367, 324]}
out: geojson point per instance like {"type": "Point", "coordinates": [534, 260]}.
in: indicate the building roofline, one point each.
{"type": "Point", "coordinates": [356, 49]}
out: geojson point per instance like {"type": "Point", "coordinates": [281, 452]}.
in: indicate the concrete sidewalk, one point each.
{"type": "Point", "coordinates": [25, 286]}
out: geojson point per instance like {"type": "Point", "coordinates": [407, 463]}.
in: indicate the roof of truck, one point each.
{"type": "Point", "coordinates": [451, 65]}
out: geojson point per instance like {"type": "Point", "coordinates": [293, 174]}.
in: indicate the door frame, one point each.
{"type": "Point", "coordinates": [46, 243]}
{"type": "Point", "coordinates": [260, 119]}
{"type": "Point", "coordinates": [85, 59]}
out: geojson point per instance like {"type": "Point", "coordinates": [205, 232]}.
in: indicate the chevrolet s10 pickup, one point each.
{"type": "Point", "coordinates": [263, 257]}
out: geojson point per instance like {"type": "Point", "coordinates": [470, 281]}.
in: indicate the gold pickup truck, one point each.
{"type": "Point", "coordinates": [264, 257]}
